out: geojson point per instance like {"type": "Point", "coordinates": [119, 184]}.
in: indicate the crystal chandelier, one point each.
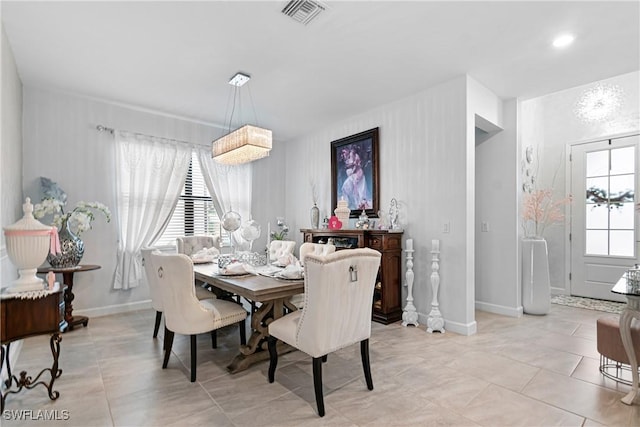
{"type": "Point", "coordinates": [599, 103]}
{"type": "Point", "coordinates": [245, 144]}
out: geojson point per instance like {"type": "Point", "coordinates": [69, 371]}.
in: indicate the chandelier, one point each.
{"type": "Point", "coordinates": [245, 144]}
{"type": "Point", "coordinates": [599, 103]}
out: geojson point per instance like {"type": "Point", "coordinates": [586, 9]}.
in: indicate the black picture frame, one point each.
{"type": "Point", "coordinates": [354, 172]}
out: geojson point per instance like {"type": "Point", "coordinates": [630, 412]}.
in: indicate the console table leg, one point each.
{"type": "Point", "coordinates": [68, 298]}
{"type": "Point", "coordinates": [27, 382]}
{"type": "Point", "coordinates": [9, 379]}
{"type": "Point", "coordinates": [2, 354]}
{"type": "Point", "coordinates": [55, 372]}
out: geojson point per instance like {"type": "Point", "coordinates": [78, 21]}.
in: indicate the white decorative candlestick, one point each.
{"type": "Point", "coordinates": [435, 322]}
{"type": "Point", "coordinates": [409, 315]}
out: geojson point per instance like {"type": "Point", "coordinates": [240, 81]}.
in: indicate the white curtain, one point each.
{"type": "Point", "coordinates": [232, 188]}
{"type": "Point", "coordinates": [150, 173]}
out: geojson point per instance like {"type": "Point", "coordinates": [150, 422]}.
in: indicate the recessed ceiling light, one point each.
{"type": "Point", "coordinates": [563, 40]}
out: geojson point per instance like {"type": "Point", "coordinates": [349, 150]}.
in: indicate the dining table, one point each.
{"type": "Point", "coordinates": [270, 295]}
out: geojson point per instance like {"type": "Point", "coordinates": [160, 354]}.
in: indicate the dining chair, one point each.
{"type": "Point", "coordinates": [280, 248]}
{"type": "Point", "coordinates": [154, 290]}
{"type": "Point", "coordinates": [338, 291]}
{"type": "Point", "coordinates": [305, 249]}
{"type": "Point", "coordinates": [184, 313]}
{"type": "Point", "coordinates": [315, 248]}
{"type": "Point", "coordinates": [190, 245]}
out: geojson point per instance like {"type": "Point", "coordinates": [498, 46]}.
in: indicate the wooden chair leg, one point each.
{"type": "Point", "coordinates": [324, 359]}
{"type": "Point", "coordinates": [214, 338]}
{"type": "Point", "coordinates": [157, 325]}
{"type": "Point", "coordinates": [243, 332]}
{"type": "Point", "coordinates": [168, 344]}
{"type": "Point", "coordinates": [194, 352]}
{"type": "Point", "coordinates": [273, 358]}
{"type": "Point", "coordinates": [317, 384]}
{"type": "Point", "coordinates": [364, 352]}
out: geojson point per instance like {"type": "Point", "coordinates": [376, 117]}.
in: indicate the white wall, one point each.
{"type": "Point", "coordinates": [497, 287]}
{"type": "Point", "coordinates": [10, 165]}
{"type": "Point", "coordinates": [61, 142]}
{"type": "Point", "coordinates": [10, 154]}
{"type": "Point", "coordinates": [423, 164]}
{"type": "Point", "coordinates": [549, 124]}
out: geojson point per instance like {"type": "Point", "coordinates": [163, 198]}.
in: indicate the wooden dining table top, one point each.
{"type": "Point", "coordinates": [254, 287]}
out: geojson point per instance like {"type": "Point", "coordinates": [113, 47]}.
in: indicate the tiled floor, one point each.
{"type": "Point", "coordinates": [531, 371]}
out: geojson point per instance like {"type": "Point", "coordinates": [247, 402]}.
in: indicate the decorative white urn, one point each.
{"type": "Point", "coordinates": [28, 242]}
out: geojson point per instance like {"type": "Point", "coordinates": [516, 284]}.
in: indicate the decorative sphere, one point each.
{"type": "Point", "coordinates": [231, 221]}
{"type": "Point", "coordinates": [251, 230]}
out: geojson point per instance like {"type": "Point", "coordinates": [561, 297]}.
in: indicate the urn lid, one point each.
{"type": "Point", "coordinates": [28, 222]}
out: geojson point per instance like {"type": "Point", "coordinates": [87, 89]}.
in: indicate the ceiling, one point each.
{"type": "Point", "coordinates": [177, 57]}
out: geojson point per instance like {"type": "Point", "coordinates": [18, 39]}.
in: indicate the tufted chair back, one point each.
{"type": "Point", "coordinates": [184, 313]}
{"type": "Point", "coordinates": [328, 288]}
{"type": "Point", "coordinates": [315, 249]}
{"type": "Point", "coordinates": [190, 245]}
{"type": "Point", "coordinates": [278, 248]}
{"type": "Point", "coordinates": [338, 295]}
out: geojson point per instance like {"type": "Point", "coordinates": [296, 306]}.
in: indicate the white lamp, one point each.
{"type": "Point", "coordinates": [243, 145]}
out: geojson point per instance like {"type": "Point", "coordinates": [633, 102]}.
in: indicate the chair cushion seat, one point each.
{"type": "Point", "coordinates": [226, 312]}
{"type": "Point", "coordinates": [202, 293]}
{"type": "Point", "coordinates": [285, 327]}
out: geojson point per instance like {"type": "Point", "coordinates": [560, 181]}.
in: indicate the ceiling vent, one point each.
{"type": "Point", "coordinates": [303, 11]}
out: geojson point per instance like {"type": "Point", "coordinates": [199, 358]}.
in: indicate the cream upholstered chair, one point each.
{"type": "Point", "coordinates": [184, 313]}
{"type": "Point", "coordinates": [338, 294]}
{"type": "Point", "coordinates": [315, 249]}
{"type": "Point", "coordinates": [190, 245]}
{"type": "Point", "coordinates": [306, 249]}
{"type": "Point", "coordinates": [154, 290]}
{"type": "Point", "coordinates": [279, 248]}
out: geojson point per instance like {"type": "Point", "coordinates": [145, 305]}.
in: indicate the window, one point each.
{"type": "Point", "coordinates": [610, 206]}
{"type": "Point", "coordinates": [194, 213]}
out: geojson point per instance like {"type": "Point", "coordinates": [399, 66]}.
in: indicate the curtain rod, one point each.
{"type": "Point", "coordinates": [101, 128]}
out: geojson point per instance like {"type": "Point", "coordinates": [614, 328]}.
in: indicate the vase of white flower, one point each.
{"type": "Point", "coordinates": [71, 246]}
{"type": "Point", "coordinates": [70, 224]}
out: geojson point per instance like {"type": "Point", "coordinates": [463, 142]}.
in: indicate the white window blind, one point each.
{"type": "Point", "coordinates": [194, 213]}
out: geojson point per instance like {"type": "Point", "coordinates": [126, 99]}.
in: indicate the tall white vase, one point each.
{"type": "Point", "coordinates": [536, 286]}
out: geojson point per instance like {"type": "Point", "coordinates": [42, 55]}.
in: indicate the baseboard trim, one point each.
{"type": "Point", "coordinates": [115, 309]}
{"type": "Point", "coordinates": [500, 309]}
{"type": "Point", "coordinates": [455, 327]}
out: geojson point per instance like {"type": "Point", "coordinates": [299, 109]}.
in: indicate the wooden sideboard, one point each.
{"type": "Point", "coordinates": [387, 298]}
{"type": "Point", "coordinates": [23, 318]}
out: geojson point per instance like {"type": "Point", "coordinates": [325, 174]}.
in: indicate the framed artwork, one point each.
{"type": "Point", "coordinates": [354, 173]}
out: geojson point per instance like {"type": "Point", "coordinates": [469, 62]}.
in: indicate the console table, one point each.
{"type": "Point", "coordinates": [23, 318]}
{"type": "Point", "coordinates": [67, 279]}
{"type": "Point", "coordinates": [387, 296]}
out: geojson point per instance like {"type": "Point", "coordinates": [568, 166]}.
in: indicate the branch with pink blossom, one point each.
{"type": "Point", "coordinates": [540, 210]}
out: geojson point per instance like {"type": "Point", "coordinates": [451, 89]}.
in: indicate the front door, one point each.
{"type": "Point", "coordinates": [604, 178]}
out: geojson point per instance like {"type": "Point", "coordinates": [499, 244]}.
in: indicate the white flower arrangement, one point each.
{"type": "Point", "coordinates": [79, 219]}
